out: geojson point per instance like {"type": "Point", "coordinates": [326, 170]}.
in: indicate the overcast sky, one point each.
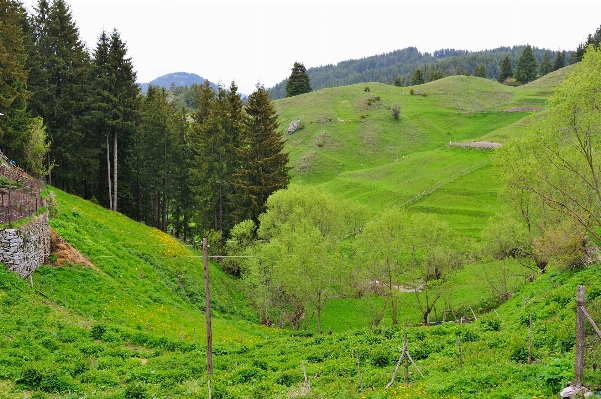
{"type": "Point", "coordinates": [255, 41]}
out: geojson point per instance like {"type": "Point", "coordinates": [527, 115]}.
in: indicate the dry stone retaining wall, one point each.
{"type": "Point", "coordinates": [25, 248]}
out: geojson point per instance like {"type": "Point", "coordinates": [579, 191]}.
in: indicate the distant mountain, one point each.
{"type": "Point", "coordinates": [177, 79]}
{"type": "Point", "coordinates": [400, 64]}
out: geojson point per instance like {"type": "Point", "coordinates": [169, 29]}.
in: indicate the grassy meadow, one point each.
{"type": "Point", "coordinates": [133, 325]}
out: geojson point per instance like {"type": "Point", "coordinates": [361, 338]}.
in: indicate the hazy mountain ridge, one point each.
{"type": "Point", "coordinates": [177, 79]}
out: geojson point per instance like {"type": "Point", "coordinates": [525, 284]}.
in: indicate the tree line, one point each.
{"type": "Point", "coordinates": [190, 172]}
{"type": "Point", "coordinates": [398, 67]}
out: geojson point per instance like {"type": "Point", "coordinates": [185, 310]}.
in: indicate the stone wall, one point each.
{"type": "Point", "coordinates": [25, 248]}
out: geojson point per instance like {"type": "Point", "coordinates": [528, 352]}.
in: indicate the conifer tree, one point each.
{"type": "Point", "coordinates": [298, 82]}
{"type": "Point", "coordinates": [526, 69]}
{"type": "Point", "coordinates": [480, 71]}
{"type": "Point", "coordinates": [263, 163]}
{"type": "Point", "coordinates": [59, 79]}
{"type": "Point", "coordinates": [560, 60]}
{"type": "Point", "coordinates": [116, 106]}
{"type": "Point", "coordinates": [418, 77]}
{"type": "Point", "coordinates": [15, 122]}
{"type": "Point", "coordinates": [545, 65]}
{"type": "Point", "coordinates": [506, 71]}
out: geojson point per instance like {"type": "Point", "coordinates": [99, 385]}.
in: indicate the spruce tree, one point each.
{"type": "Point", "coordinates": [527, 68]}
{"type": "Point", "coordinates": [560, 60]}
{"type": "Point", "coordinates": [59, 79]}
{"type": "Point", "coordinates": [506, 71]}
{"type": "Point", "coordinates": [14, 124]}
{"type": "Point", "coordinates": [418, 77]}
{"type": "Point", "coordinates": [480, 71]}
{"type": "Point", "coordinates": [263, 163]}
{"type": "Point", "coordinates": [115, 110]}
{"type": "Point", "coordinates": [298, 82]}
{"type": "Point", "coordinates": [545, 65]}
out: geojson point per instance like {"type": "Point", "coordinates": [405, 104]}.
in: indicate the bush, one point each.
{"type": "Point", "coordinates": [366, 88]}
{"type": "Point", "coordinates": [288, 378]}
{"type": "Point", "coordinates": [490, 324]}
{"type": "Point", "coordinates": [97, 331]}
{"type": "Point", "coordinates": [135, 391]}
{"type": "Point", "coordinates": [381, 358]}
{"type": "Point", "coordinates": [30, 378]}
{"type": "Point", "coordinates": [412, 92]}
{"type": "Point", "coordinates": [396, 112]}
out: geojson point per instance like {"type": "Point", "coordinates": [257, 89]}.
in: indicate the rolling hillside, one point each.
{"type": "Point", "coordinates": [132, 326]}
{"type": "Point", "coordinates": [352, 146]}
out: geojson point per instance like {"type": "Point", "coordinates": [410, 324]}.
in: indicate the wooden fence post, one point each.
{"type": "Point", "coordinates": [579, 362]}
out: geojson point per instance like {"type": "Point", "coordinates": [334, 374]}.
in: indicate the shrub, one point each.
{"type": "Point", "coordinates": [366, 88]}
{"type": "Point", "coordinates": [135, 391]}
{"type": "Point", "coordinates": [30, 378]}
{"type": "Point", "coordinates": [412, 92]}
{"type": "Point", "coordinates": [97, 331]}
{"type": "Point", "coordinates": [381, 358]}
{"type": "Point", "coordinates": [490, 324]}
{"type": "Point", "coordinates": [247, 374]}
{"type": "Point", "coordinates": [288, 378]}
{"type": "Point", "coordinates": [396, 111]}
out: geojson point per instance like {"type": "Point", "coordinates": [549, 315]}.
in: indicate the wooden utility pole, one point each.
{"type": "Point", "coordinates": [579, 363]}
{"type": "Point", "coordinates": [205, 256]}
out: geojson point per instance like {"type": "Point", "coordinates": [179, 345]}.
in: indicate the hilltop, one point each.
{"type": "Point", "coordinates": [176, 79]}
{"type": "Point", "coordinates": [351, 145]}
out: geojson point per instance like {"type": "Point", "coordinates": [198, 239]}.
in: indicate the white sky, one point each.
{"type": "Point", "coordinates": [258, 41]}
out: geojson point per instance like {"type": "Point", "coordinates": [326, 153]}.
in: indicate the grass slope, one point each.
{"type": "Point", "coordinates": [352, 147]}
{"type": "Point", "coordinates": [58, 342]}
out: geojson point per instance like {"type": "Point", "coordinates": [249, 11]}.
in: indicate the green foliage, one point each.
{"type": "Point", "coordinates": [480, 71]}
{"type": "Point", "coordinates": [418, 77]}
{"type": "Point", "coordinates": [366, 89]}
{"type": "Point", "coordinates": [545, 65]}
{"type": "Point", "coordinates": [396, 111]}
{"type": "Point", "coordinates": [560, 60]}
{"type": "Point", "coordinates": [527, 68]}
{"type": "Point", "coordinates": [135, 391]}
{"type": "Point", "coordinates": [298, 82]}
{"type": "Point", "coordinates": [506, 70]}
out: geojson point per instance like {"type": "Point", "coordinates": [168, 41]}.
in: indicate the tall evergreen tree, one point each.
{"type": "Point", "coordinates": [214, 138]}
{"type": "Point", "coordinates": [506, 71]}
{"type": "Point", "coordinates": [545, 65]}
{"type": "Point", "coordinates": [480, 71]}
{"type": "Point", "coordinates": [418, 77]}
{"type": "Point", "coordinates": [263, 163]}
{"type": "Point", "coordinates": [116, 108]}
{"type": "Point", "coordinates": [560, 60]}
{"type": "Point", "coordinates": [14, 124]}
{"type": "Point", "coordinates": [59, 79]}
{"type": "Point", "coordinates": [527, 68]}
{"type": "Point", "coordinates": [298, 82]}
{"type": "Point", "coordinates": [593, 40]}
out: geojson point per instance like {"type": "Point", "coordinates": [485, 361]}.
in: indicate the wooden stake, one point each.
{"type": "Point", "coordinates": [459, 352]}
{"type": "Point", "coordinates": [579, 361]}
{"type": "Point", "coordinates": [530, 342]}
{"type": "Point", "coordinates": [205, 255]}
{"type": "Point", "coordinates": [307, 383]}
{"type": "Point", "coordinates": [359, 373]}
{"type": "Point", "coordinates": [398, 363]}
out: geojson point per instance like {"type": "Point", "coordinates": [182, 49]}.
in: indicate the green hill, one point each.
{"type": "Point", "coordinates": [352, 146]}
{"type": "Point", "coordinates": [133, 325]}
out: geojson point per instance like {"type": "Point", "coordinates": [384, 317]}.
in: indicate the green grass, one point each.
{"type": "Point", "coordinates": [353, 147]}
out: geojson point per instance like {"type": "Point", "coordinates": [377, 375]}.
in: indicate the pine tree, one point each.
{"type": "Point", "coordinates": [526, 69]}
{"type": "Point", "coordinates": [14, 124]}
{"type": "Point", "coordinates": [560, 60]}
{"type": "Point", "coordinates": [263, 163]}
{"type": "Point", "coordinates": [298, 82]}
{"type": "Point", "coordinates": [116, 109]}
{"type": "Point", "coordinates": [59, 79]}
{"type": "Point", "coordinates": [506, 71]}
{"type": "Point", "coordinates": [480, 71]}
{"type": "Point", "coordinates": [545, 65]}
{"type": "Point", "coordinates": [418, 77]}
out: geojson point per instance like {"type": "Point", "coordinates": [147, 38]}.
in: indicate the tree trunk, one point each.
{"type": "Point", "coordinates": [108, 168]}
{"type": "Point", "coordinates": [115, 170]}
